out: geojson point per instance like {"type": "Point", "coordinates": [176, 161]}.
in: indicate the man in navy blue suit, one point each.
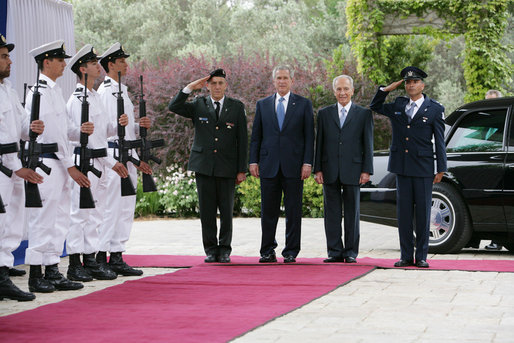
{"type": "Point", "coordinates": [281, 154]}
{"type": "Point", "coordinates": [415, 120]}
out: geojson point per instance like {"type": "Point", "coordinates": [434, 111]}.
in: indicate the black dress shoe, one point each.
{"type": "Point", "coordinates": [225, 258]}
{"type": "Point", "coordinates": [58, 280]}
{"type": "Point", "coordinates": [350, 259]}
{"type": "Point", "coordinates": [120, 267]}
{"type": "Point", "coordinates": [403, 263]}
{"type": "Point", "coordinates": [16, 272]}
{"type": "Point", "coordinates": [40, 285]}
{"type": "Point", "coordinates": [98, 270]}
{"type": "Point", "coordinates": [289, 259]}
{"type": "Point", "coordinates": [76, 272]}
{"type": "Point", "coordinates": [10, 291]}
{"type": "Point", "coordinates": [422, 264]}
{"type": "Point", "coordinates": [211, 259]}
{"type": "Point", "coordinates": [334, 259]}
{"type": "Point", "coordinates": [268, 258]}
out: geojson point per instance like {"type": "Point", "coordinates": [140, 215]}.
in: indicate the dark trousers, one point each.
{"type": "Point", "coordinates": [271, 196]}
{"type": "Point", "coordinates": [333, 202]}
{"type": "Point", "coordinates": [216, 193]}
{"type": "Point", "coordinates": [413, 195]}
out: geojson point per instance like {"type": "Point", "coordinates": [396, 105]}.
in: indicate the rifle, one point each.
{"type": "Point", "coordinates": [6, 149]}
{"type": "Point", "coordinates": [124, 146]}
{"type": "Point", "coordinates": [147, 145]}
{"type": "Point", "coordinates": [86, 155]}
{"type": "Point", "coordinates": [31, 157]}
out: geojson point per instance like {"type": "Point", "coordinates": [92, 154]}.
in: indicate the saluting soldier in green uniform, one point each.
{"type": "Point", "coordinates": [218, 157]}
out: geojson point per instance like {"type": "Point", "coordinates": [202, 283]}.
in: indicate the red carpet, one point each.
{"type": "Point", "coordinates": [188, 261]}
{"type": "Point", "coordinates": [207, 303]}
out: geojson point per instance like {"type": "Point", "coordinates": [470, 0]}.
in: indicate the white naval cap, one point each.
{"type": "Point", "coordinates": [49, 50]}
{"type": "Point", "coordinates": [86, 54]}
{"type": "Point", "coordinates": [110, 55]}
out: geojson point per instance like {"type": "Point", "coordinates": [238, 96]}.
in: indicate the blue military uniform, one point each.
{"type": "Point", "coordinates": [412, 160]}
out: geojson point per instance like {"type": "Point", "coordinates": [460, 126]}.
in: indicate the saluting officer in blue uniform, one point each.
{"type": "Point", "coordinates": [415, 120]}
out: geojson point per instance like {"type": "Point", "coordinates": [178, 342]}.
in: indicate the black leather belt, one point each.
{"type": "Point", "coordinates": [49, 155]}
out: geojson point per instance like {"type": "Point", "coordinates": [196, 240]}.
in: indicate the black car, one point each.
{"type": "Point", "coordinates": [475, 199]}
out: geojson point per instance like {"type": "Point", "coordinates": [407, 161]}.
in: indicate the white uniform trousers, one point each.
{"type": "Point", "coordinates": [48, 226]}
{"type": "Point", "coordinates": [118, 213]}
{"type": "Point", "coordinates": [12, 191]}
{"type": "Point", "coordinates": [85, 223]}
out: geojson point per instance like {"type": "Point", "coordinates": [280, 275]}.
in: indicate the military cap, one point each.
{"type": "Point", "coordinates": [217, 73]}
{"type": "Point", "coordinates": [4, 44]}
{"type": "Point", "coordinates": [412, 73]}
{"type": "Point", "coordinates": [86, 54]}
{"type": "Point", "coordinates": [114, 52]}
{"type": "Point", "coordinates": [49, 50]}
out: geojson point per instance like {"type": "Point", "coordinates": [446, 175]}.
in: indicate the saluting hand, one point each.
{"type": "Point", "coordinates": [120, 169]}
{"type": "Point", "coordinates": [198, 84]}
{"type": "Point", "coordinates": [393, 86]}
{"type": "Point", "coordinates": [88, 127]}
{"type": "Point", "coordinates": [123, 120]}
{"type": "Point", "coordinates": [145, 122]}
{"type": "Point", "coordinates": [29, 175]}
{"type": "Point", "coordinates": [37, 126]}
{"type": "Point", "coordinates": [78, 177]}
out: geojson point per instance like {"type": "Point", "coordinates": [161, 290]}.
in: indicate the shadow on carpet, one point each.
{"type": "Point", "coordinates": [206, 303]}
{"type": "Point", "coordinates": [181, 261]}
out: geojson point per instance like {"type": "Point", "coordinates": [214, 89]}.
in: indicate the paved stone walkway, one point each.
{"type": "Point", "coordinates": [383, 306]}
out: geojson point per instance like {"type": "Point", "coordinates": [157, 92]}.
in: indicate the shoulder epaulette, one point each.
{"type": "Point", "coordinates": [106, 82]}
{"type": "Point", "coordinates": [80, 89]}
{"type": "Point", "coordinates": [43, 82]}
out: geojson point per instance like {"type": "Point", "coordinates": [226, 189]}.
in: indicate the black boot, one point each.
{"type": "Point", "coordinates": [16, 272]}
{"type": "Point", "coordinates": [120, 267]}
{"type": "Point", "coordinates": [60, 283]}
{"type": "Point", "coordinates": [36, 281]}
{"type": "Point", "coordinates": [99, 271]}
{"type": "Point", "coordinates": [9, 290]}
{"type": "Point", "coordinates": [76, 271]}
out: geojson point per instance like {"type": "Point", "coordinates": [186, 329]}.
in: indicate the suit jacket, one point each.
{"type": "Point", "coordinates": [288, 149]}
{"type": "Point", "coordinates": [219, 147]}
{"type": "Point", "coordinates": [345, 152]}
{"type": "Point", "coordinates": [412, 150]}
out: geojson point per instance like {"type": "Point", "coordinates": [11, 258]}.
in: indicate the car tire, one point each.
{"type": "Point", "coordinates": [450, 224]}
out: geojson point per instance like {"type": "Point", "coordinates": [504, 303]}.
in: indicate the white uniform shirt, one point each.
{"type": "Point", "coordinates": [104, 128]}
{"type": "Point", "coordinates": [52, 111]}
{"type": "Point", "coordinates": [14, 123]}
{"type": "Point", "coordinates": [106, 90]}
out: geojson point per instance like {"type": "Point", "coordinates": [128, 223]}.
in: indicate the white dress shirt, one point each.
{"type": "Point", "coordinates": [52, 111]}
{"type": "Point", "coordinates": [285, 102]}
{"type": "Point", "coordinates": [14, 123]}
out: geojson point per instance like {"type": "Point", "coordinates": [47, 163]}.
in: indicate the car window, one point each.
{"type": "Point", "coordinates": [479, 131]}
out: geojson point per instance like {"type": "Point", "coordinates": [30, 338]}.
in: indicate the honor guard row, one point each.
{"type": "Point", "coordinates": [79, 201]}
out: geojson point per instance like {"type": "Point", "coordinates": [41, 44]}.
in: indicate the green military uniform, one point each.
{"type": "Point", "coordinates": [218, 153]}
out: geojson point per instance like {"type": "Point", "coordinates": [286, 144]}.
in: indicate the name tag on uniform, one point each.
{"type": "Point", "coordinates": [204, 120]}
{"type": "Point", "coordinates": [230, 125]}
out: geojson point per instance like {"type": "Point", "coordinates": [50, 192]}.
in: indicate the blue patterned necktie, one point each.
{"type": "Point", "coordinates": [342, 117]}
{"type": "Point", "coordinates": [410, 111]}
{"type": "Point", "coordinates": [281, 113]}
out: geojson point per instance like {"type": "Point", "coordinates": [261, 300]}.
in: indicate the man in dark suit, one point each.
{"type": "Point", "coordinates": [415, 120]}
{"type": "Point", "coordinates": [218, 157]}
{"type": "Point", "coordinates": [344, 160]}
{"type": "Point", "coordinates": [281, 153]}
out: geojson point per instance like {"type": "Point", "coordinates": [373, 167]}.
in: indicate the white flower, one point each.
{"type": "Point", "coordinates": [175, 192]}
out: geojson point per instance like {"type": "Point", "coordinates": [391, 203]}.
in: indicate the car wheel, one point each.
{"type": "Point", "coordinates": [450, 224]}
